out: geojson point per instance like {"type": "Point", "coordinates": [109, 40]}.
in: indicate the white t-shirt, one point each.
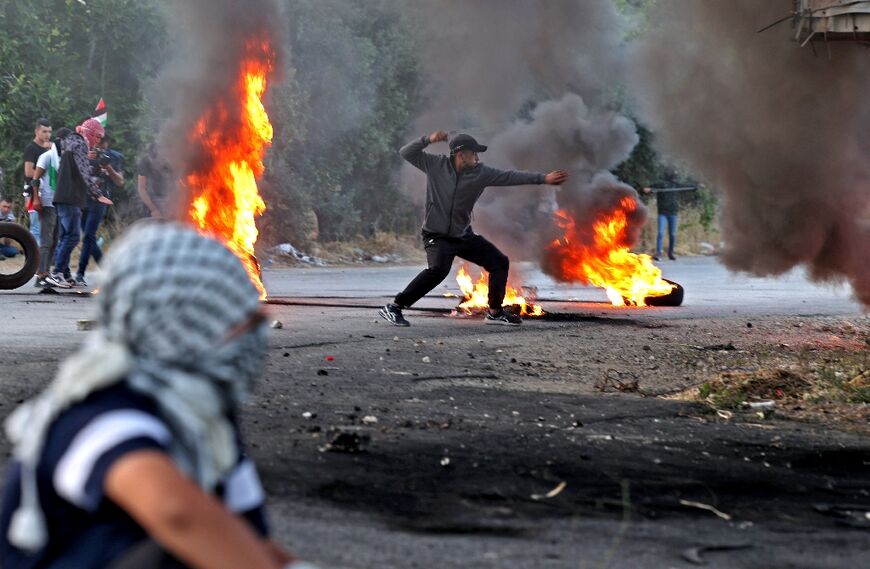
{"type": "Point", "coordinates": [50, 162]}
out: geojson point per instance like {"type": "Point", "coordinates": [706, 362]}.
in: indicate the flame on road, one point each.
{"type": "Point", "coordinates": [600, 256]}
{"type": "Point", "coordinates": [225, 199]}
{"type": "Point", "coordinates": [476, 295]}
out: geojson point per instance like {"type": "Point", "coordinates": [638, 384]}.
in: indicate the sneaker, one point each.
{"type": "Point", "coordinates": [672, 257]}
{"type": "Point", "coordinates": [393, 313]}
{"type": "Point", "coordinates": [56, 281]}
{"type": "Point", "coordinates": [657, 257]}
{"type": "Point", "coordinates": [79, 281]}
{"type": "Point", "coordinates": [503, 317]}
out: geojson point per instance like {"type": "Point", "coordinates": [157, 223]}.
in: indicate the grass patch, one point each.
{"type": "Point", "coordinates": [731, 389]}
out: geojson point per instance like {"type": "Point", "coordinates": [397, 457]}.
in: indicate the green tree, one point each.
{"type": "Point", "coordinates": [60, 56]}
{"type": "Point", "coordinates": [358, 78]}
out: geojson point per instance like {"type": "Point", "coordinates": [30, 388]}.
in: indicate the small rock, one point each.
{"type": "Point", "coordinates": [445, 461]}
{"type": "Point", "coordinates": [276, 324]}
{"type": "Point", "coordinates": [426, 359]}
{"type": "Point", "coordinates": [346, 440]}
{"type": "Point", "coordinates": [322, 372]}
{"type": "Point", "coordinates": [309, 415]}
{"type": "Point", "coordinates": [369, 420]}
{"type": "Point", "coordinates": [85, 325]}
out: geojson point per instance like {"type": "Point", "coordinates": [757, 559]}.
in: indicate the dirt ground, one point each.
{"type": "Point", "coordinates": [602, 438]}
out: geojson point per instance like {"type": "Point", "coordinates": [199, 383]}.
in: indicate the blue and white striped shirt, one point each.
{"type": "Point", "coordinates": [85, 529]}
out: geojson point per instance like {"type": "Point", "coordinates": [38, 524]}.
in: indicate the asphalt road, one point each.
{"type": "Point", "coordinates": [454, 444]}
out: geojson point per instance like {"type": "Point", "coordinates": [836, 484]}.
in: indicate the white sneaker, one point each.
{"type": "Point", "coordinates": [57, 281]}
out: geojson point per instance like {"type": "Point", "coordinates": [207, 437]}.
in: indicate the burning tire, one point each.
{"type": "Point", "coordinates": [19, 234]}
{"type": "Point", "coordinates": [673, 298]}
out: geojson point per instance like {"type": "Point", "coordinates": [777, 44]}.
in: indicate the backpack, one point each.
{"type": "Point", "coordinates": [71, 188]}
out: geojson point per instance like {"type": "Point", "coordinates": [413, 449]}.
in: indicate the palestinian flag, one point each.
{"type": "Point", "coordinates": [100, 112]}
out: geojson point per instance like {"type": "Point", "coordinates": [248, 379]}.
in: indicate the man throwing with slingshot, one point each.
{"type": "Point", "coordinates": [453, 185]}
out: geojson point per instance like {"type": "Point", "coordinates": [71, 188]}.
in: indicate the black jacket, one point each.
{"type": "Point", "coordinates": [74, 180]}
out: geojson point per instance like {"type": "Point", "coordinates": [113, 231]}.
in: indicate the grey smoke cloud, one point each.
{"type": "Point", "coordinates": [782, 132]}
{"type": "Point", "coordinates": [212, 36]}
{"type": "Point", "coordinates": [553, 64]}
{"type": "Point", "coordinates": [488, 58]}
{"type": "Point", "coordinates": [566, 134]}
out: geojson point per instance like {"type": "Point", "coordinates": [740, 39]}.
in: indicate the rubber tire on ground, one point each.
{"type": "Point", "coordinates": [674, 298]}
{"type": "Point", "coordinates": [20, 234]}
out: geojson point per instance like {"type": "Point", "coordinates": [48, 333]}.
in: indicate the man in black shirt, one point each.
{"type": "Point", "coordinates": [668, 206]}
{"type": "Point", "coordinates": [41, 142]}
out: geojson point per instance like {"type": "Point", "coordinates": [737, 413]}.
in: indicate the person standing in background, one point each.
{"type": "Point", "coordinates": [75, 183]}
{"type": "Point", "coordinates": [668, 206]}
{"type": "Point", "coordinates": [110, 167]}
{"type": "Point", "coordinates": [44, 184]}
{"type": "Point", "coordinates": [154, 183]}
{"type": "Point", "coordinates": [40, 143]}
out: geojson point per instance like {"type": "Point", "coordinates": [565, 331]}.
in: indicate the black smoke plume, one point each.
{"type": "Point", "coordinates": [533, 80]}
{"type": "Point", "coordinates": [782, 130]}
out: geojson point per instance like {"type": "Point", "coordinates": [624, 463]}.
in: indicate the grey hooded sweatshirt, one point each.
{"type": "Point", "coordinates": [450, 196]}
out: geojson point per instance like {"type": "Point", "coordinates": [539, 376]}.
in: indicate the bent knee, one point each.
{"type": "Point", "coordinates": [438, 272]}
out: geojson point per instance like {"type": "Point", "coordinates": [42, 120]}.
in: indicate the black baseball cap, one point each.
{"type": "Point", "coordinates": [465, 142]}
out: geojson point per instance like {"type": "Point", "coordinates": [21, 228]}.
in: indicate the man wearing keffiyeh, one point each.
{"type": "Point", "coordinates": [132, 456]}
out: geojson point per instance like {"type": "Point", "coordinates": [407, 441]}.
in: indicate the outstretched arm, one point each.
{"type": "Point", "coordinates": [497, 177]}
{"type": "Point", "coordinates": [413, 151]}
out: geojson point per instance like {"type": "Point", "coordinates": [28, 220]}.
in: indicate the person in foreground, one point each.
{"type": "Point", "coordinates": [453, 185]}
{"type": "Point", "coordinates": [132, 457]}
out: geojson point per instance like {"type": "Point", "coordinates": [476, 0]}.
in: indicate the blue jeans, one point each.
{"type": "Point", "coordinates": [69, 219]}
{"type": "Point", "coordinates": [34, 224]}
{"type": "Point", "coordinates": [92, 216]}
{"type": "Point", "coordinates": [671, 220]}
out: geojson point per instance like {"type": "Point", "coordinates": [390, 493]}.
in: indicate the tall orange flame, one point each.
{"type": "Point", "coordinates": [606, 261]}
{"type": "Point", "coordinates": [476, 295]}
{"type": "Point", "coordinates": [225, 199]}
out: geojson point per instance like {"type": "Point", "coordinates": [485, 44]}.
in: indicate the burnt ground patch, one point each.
{"type": "Point", "coordinates": [646, 458]}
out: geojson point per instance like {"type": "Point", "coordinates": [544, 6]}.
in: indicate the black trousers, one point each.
{"type": "Point", "coordinates": [440, 252]}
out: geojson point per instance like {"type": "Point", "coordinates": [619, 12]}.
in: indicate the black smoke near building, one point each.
{"type": "Point", "coordinates": [782, 131]}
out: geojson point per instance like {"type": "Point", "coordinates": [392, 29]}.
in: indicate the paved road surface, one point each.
{"type": "Point", "coordinates": [516, 412]}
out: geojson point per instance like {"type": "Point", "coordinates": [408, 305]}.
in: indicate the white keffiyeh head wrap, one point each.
{"type": "Point", "coordinates": [167, 306]}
